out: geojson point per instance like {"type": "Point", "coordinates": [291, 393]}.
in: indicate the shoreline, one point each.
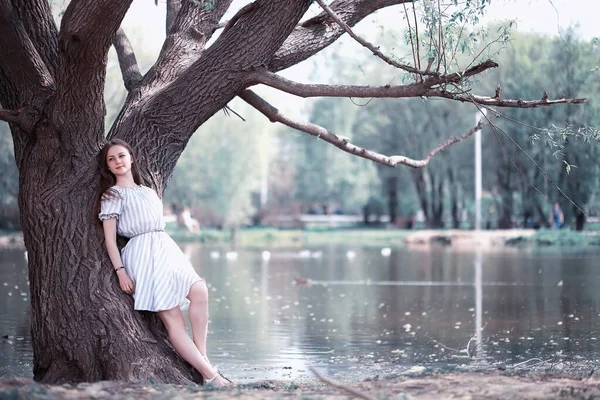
{"type": "Point", "coordinates": [12, 240]}
{"type": "Point", "coordinates": [488, 384]}
{"type": "Point", "coordinates": [273, 238]}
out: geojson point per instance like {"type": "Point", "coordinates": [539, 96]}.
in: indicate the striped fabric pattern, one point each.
{"type": "Point", "coordinates": [161, 273]}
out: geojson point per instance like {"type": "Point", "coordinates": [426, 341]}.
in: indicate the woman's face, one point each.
{"type": "Point", "coordinates": [118, 160]}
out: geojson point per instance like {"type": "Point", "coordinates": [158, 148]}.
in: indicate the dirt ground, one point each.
{"type": "Point", "coordinates": [454, 385]}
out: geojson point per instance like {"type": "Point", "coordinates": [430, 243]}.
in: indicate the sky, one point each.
{"type": "Point", "coordinates": [543, 16]}
{"type": "Point", "coordinates": [549, 16]}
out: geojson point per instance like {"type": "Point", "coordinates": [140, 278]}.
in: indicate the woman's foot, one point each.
{"type": "Point", "coordinates": [217, 381]}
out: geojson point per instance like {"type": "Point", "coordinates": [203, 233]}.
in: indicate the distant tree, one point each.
{"type": "Point", "coordinates": [535, 154]}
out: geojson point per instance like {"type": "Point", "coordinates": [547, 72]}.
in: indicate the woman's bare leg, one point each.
{"type": "Point", "coordinates": [198, 314]}
{"type": "Point", "coordinates": [183, 344]}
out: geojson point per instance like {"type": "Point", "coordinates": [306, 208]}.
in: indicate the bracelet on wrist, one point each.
{"type": "Point", "coordinates": [117, 269]}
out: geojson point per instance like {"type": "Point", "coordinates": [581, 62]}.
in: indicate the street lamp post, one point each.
{"type": "Point", "coordinates": [480, 113]}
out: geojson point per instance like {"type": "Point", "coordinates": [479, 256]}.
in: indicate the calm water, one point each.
{"type": "Point", "coordinates": [340, 309]}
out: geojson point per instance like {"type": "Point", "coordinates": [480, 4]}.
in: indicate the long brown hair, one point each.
{"type": "Point", "coordinates": [107, 178]}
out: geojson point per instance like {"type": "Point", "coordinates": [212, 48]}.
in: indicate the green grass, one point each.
{"type": "Point", "coordinates": [559, 238]}
{"type": "Point", "coordinates": [286, 238]}
{"type": "Point", "coordinates": [280, 238]}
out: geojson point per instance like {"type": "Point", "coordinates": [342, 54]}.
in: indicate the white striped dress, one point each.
{"type": "Point", "coordinates": [161, 273]}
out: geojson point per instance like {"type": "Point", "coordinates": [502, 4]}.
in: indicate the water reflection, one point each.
{"type": "Point", "coordinates": [273, 317]}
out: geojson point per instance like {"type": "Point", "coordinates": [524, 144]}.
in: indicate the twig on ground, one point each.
{"type": "Point", "coordinates": [338, 385]}
{"type": "Point", "coordinates": [444, 346]}
{"type": "Point", "coordinates": [532, 359]}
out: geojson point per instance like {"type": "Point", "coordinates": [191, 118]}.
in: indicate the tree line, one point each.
{"type": "Point", "coordinates": [532, 158]}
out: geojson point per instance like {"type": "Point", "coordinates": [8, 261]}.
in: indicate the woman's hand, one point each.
{"type": "Point", "coordinates": [125, 282]}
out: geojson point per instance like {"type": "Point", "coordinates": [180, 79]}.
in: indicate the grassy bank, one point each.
{"type": "Point", "coordinates": [557, 238]}
{"type": "Point", "coordinates": [270, 238]}
{"type": "Point", "coordinates": [274, 238]}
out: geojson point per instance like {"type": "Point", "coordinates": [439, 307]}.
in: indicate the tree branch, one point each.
{"type": "Point", "coordinates": [127, 61]}
{"type": "Point", "coordinates": [24, 77]}
{"type": "Point", "coordinates": [315, 34]}
{"type": "Point", "coordinates": [323, 90]}
{"type": "Point", "coordinates": [39, 24]}
{"type": "Point", "coordinates": [190, 30]}
{"type": "Point", "coordinates": [247, 8]}
{"type": "Point", "coordinates": [173, 8]}
{"type": "Point", "coordinates": [88, 28]}
{"type": "Point", "coordinates": [417, 89]}
{"type": "Point", "coordinates": [21, 117]}
{"type": "Point", "coordinates": [342, 142]}
{"type": "Point", "coordinates": [365, 43]}
{"type": "Point", "coordinates": [498, 102]}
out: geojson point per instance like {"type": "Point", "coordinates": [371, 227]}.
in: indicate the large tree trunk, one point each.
{"type": "Point", "coordinates": [83, 327]}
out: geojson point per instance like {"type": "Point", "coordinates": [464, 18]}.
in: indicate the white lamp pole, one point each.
{"type": "Point", "coordinates": [478, 117]}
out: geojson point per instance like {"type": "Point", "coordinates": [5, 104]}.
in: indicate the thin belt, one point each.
{"type": "Point", "coordinates": [145, 233]}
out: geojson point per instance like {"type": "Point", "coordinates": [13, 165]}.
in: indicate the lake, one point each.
{"type": "Point", "coordinates": [342, 309]}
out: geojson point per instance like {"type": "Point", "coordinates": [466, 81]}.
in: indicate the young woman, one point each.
{"type": "Point", "coordinates": [151, 267]}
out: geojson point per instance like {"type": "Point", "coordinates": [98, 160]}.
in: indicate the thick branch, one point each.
{"type": "Point", "coordinates": [127, 61]}
{"type": "Point", "coordinates": [410, 90]}
{"type": "Point", "coordinates": [87, 31]}
{"type": "Point", "coordinates": [342, 142]}
{"type": "Point", "coordinates": [323, 90]}
{"type": "Point", "coordinates": [38, 21]}
{"type": "Point", "coordinates": [188, 33]}
{"type": "Point", "coordinates": [247, 8]}
{"type": "Point", "coordinates": [317, 33]}
{"type": "Point", "coordinates": [498, 102]}
{"type": "Point", "coordinates": [173, 7]}
{"type": "Point", "coordinates": [20, 117]}
{"type": "Point", "coordinates": [24, 78]}
{"type": "Point", "coordinates": [365, 43]}
{"type": "Point", "coordinates": [418, 89]}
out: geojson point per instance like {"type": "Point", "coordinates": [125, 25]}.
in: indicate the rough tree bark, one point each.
{"type": "Point", "coordinates": [51, 93]}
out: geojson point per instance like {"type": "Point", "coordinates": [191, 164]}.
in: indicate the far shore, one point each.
{"type": "Point", "coordinates": [273, 238]}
